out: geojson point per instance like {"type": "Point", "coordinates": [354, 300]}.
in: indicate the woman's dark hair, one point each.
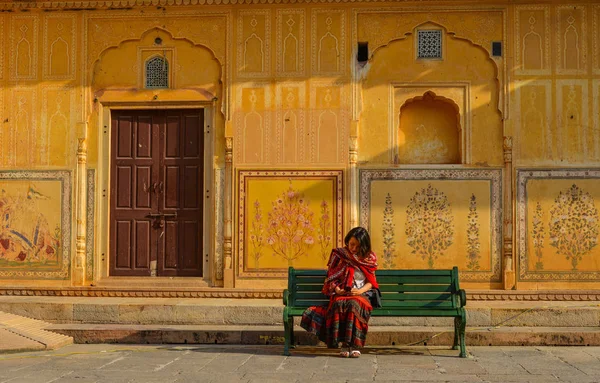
{"type": "Point", "coordinates": [362, 236]}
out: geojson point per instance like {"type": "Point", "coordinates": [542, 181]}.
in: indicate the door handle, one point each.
{"type": "Point", "coordinates": [160, 187]}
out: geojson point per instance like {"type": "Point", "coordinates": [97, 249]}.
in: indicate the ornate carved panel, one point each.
{"type": "Point", "coordinates": [532, 40]}
{"type": "Point", "coordinates": [535, 138]}
{"type": "Point", "coordinates": [572, 111]}
{"type": "Point", "coordinates": [328, 41]}
{"type": "Point", "coordinates": [254, 43]}
{"type": "Point", "coordinates": [22, 146]}
{"type": "Point", "coordinates": [219, 221]}
{"type": "Point", "coordinates": [58, 104]}
{"type": "Point", "coordinates": [23, 47]}
{"type": "Point", "coordinates": [290, 101]}
{"type": "Point", "coordinates": [328, 122]}
{"type": "Point", "coordinates": [291, 50]}
{"type": "Point", "coordinates": [571, 39]}
{"type": "Point", "coordinates": [253, 122]}
{"type": "Point", "coordinates": [91, 228]}
{"type": "Point", "coordinates": [557, 225]}
{"type": "Point", "coordinates": [60, 57]}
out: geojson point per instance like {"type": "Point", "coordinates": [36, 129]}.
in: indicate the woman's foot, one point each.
{"type": "Point", "coordinates": [354, 354]}
{"type": "Point", "coordinates": [344, 353]}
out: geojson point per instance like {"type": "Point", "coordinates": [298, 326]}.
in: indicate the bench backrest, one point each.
{"type": "Point", "coordinates": [399, 288]}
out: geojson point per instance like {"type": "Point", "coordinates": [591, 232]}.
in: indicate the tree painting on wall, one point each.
{"type": "Point", "coordinates": [573, 224]}
{"type": "Point", "coordinates": [473, 245]}
{"type": "Point", "coordinates": [538, 236]}
{"type": "Point", "coordinates": [389, 243]}
{"type": "Point", "coordinates": [429, 224]}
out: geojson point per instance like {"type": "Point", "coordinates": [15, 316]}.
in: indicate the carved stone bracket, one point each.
{"type": "Point", "coordinates": [509, 268]}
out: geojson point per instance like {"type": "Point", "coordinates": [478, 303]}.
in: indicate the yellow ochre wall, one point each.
{"type": "Point", "coordinates": [287, 94]}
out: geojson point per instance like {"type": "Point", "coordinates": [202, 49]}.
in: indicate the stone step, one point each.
{"type": "Point", "coordinates": [20, 333]}
{"type": "Point", "coordinates": [223, 311]}
{"type": "Point", "coordinates": [378, 335]}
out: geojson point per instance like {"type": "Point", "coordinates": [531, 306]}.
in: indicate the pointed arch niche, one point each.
{"type": "Point", "coordinates": [429, 131]}
{"type": "Point", "coordinates": [431, 125]}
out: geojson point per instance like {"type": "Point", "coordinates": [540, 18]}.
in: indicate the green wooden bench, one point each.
{"type": "Point", "coordinates": [405, 293]}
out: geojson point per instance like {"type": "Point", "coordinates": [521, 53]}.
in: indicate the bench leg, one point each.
{"type": "Point", "coordinates": [292, 337]}
{"type": "Point", "coordinates": [286, 333]}
{"type": "Point", "coordinates": [463, 329]}
{"type": "Point", "coordinates": [456, 327]}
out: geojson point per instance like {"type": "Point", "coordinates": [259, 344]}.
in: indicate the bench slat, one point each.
{"type": "Point", "coordinates": [310, 279]}
{"type": "Point", "coordinates": [309, 295]}
{"type": "Point", "coordinates": [394, 304]}
{"type": "Point", "coordinates": [406, 312]}
{"type": "Point", "coordinates": [311, 287]}
{"type": "Point", "coordinates": [400, 273]}
{"type": "Point", "coordinates": [415, 288]}
{"type": "Point", "coordinates": [416, 297]}
{"type": "Point", "coordinates": [439, 280]}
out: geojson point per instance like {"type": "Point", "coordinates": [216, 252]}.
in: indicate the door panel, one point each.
{"type": "Point", "coordinates": [157, 192]}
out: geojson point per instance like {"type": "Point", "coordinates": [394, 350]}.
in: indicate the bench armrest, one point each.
{"type": "Point", "coordinates": [462, 295]}
{"type": "Point", "coordinates": [286, 294]}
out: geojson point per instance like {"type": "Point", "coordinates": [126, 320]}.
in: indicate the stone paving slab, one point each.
{"type": "Point", "coordinates": [227, 363]}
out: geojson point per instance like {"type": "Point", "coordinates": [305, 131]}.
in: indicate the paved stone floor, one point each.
{"type": "Point", "coordinates": [229, 363]}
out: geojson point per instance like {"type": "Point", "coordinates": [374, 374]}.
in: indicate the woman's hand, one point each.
{"type": "Point", "coordinates": [356, 291]}
{"type": "Point", "coordinates": [339, 291]}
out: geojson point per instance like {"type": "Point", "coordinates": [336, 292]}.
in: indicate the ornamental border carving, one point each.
{"type": "Point", "coordinates": [64, 177]}
{"type": "Point", "coordinates": [2, 46]}
{"type": "Point", "coordinates": [559, 41]}
{"type": "Point", "coordinates": [279, 70]}
{"type": "Point", "coordinates": [343, 42]}
{"type": "Point", "coordinates": [472, 295]}
{"type": "Point", "coordinates": [34, 49]}
{"type": "Point", "coordinates": [493, 175]}
{"type": "Point", "coordinates": [595, 38]}
{"type": "Point", "coordinates": [90, 229]}
{"type": "Point", "coordinates": [266, 72]}
{"type": "Point", "coordinates": [523, 175]}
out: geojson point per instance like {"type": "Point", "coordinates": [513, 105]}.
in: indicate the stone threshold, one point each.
{"type": "Point", "coordinates": [396, 336]}
{"type": "Point", "coordinates": [220, 292]}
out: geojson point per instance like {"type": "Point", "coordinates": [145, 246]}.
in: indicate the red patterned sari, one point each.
{"type": "Point", "coordinates": [346, 318]}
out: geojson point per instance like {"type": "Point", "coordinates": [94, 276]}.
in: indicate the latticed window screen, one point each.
{"type": "Point", "coordinates": [430, 44]}
{"type": "Point", "coordinates": [157, 73]}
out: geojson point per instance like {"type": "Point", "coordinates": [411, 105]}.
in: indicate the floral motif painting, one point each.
{"type": "Point", "coordinates": [558, 224]}
{"type": "Point", "coordinates": [435, 219]}
{"type": "Point", "coordinates": [288, 218]}
{"type": "Point", "coordinates": [34, 225]}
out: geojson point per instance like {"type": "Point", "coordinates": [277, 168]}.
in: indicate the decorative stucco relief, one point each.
{"type": "Point", "coordinates": [596, 128]}
{"type": "Point", "coordinates": [573, 119]}
{"type": "Point", "coordinates": [532, 40]}
{"type": "Point", "coordinates": [254, 43]}
{"type": "Point", "coordinates": [2, 45]}
{"type": "Point", "coordinates": [24, 47]}
{"type": "Point", "coordinates": [56, 133]}
{"type": "Point", "coordinates": [219, 221]}
{"type": "Point", "coordinates": [103, 31]}
{"type": "Point", "coordinates": [329, 120]}
{"type": "Point", "coordinates": [571, 39]}
{"type": "Point", "coordinates": [60, 47]}
{"type": "Point", "coordinates": [596, 38]}
{"type": "Point", "coordinates": [21, 129]}
{"type": "Point", "coordinates": [253, 122]}
{"type": "Point", "coordinates": [290, 101]}
{"type": "Point", "coordinates": [91, 225]}
{"type": "Point", "coordinates": [381, 26]}
{"type": "Point", "coordinates": [291, 50]}
{"type": "Point", "coordinates": [535, 135]}
{"type": "Point", "coordinates": [328, 42]}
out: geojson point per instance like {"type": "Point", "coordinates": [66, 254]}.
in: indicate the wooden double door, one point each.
{"type": "Point", "coordinates": [157, 176]}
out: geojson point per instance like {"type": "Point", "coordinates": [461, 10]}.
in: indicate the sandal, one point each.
{"type": "Point", "coordinates": [354, 354]}
{"type": "Point", "coordinates": [344, 354]}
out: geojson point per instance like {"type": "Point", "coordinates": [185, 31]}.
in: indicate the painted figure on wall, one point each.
{"type": "Point", "coordinates": [26, 236]}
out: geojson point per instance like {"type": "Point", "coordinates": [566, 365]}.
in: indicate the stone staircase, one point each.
{"type": "Point", "coordinates": [18, 333]}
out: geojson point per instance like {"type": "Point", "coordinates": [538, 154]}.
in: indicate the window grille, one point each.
{"type": "Point", "coordinates": [157, 73]}
{"type": "Point", "coordinates": [430, 44]}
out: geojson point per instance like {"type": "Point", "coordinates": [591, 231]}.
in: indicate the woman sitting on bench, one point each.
{"type": "Point", "coordinates": [350, 275]}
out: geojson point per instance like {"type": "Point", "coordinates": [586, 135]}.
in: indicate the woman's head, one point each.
{"type": "Point", "coordinates": [358, 241]}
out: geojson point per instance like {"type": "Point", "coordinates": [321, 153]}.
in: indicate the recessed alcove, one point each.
{"type": "Point", "coordinates": [429, 131]}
